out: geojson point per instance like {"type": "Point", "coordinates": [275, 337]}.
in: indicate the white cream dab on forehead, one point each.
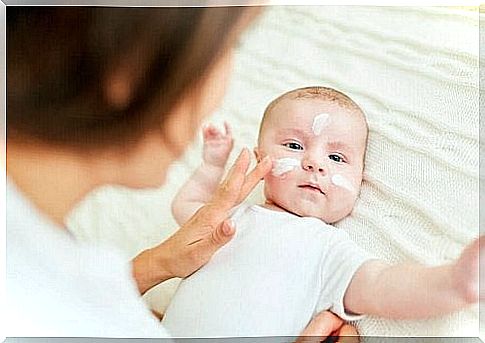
{"type": "Point", "coordinates": [284, 165]}
{"type": "Point", "coordinates": [319, 122]}
{"type": "Point", "coordinates": [340, 181]}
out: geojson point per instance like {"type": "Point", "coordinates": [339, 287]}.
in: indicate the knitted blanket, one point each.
{"type": "Point", "coordinates": [414, 71]}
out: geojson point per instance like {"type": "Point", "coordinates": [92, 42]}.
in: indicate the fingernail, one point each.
{"type": "Point", "coordinates": [228, 227]}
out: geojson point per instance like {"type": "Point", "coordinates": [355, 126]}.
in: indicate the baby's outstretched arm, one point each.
{"type": "Point", "coordinates": [411, 291]}
{"type": "Point", "coordinates": [204, 181]}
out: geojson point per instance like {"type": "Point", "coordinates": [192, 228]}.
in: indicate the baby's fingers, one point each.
{"type": "Point", "coordinates": [481, 263]}
{"type": "Point", "coordinates": [470, 254]}
{"type": "Point", "coordinates": [228, 130]}
{"type": "Point", "coordinates": [211, 132]}
{"type": "Point", "coordinates": [466, 272]}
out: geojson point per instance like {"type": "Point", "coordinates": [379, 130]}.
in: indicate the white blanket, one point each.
{"type": "Point", "coordinates": [414, 71]}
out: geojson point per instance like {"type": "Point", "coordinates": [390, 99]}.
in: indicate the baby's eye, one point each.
{"type": "Point", "coordinates": [293, 145]}
{"type": "Point", "coordinates": [336, 158]}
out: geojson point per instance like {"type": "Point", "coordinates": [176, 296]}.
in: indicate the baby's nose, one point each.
{"type": "Point", "coordinates": [314, 166]}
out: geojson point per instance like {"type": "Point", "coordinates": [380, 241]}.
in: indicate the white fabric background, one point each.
{"type": "Point", "coordinates": [415, 73]}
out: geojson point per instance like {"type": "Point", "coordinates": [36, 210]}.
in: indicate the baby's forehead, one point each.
{"type": "Point", "coordinates": [300, 111]}
{"type": "Point", "coordinates": [309, 118]}
{"type": "Point", "coordinates": [319, 95]}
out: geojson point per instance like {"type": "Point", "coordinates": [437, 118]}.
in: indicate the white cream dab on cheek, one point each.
{"type": "Point", "coordinates": [340, 181]}
{"type": "Point", "coordinates": [284, 165]}
{"type": "Point", "coordinates": [319, 122]}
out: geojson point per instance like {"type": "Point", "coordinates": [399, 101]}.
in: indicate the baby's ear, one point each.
{"type": "Point", "coordinates": [257, 154]}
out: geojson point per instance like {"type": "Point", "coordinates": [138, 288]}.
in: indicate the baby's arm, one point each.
{"type": "Point", "coordinates": [199, 189]}
{"type": "Point", "coordinates": [410, 291]}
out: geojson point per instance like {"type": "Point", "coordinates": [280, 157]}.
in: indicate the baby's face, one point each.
{"type": "Point", "coordinates": [317, 148]}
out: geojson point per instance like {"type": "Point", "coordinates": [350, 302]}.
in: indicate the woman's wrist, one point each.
{"type": "Point", "coordinates": [149, 269]}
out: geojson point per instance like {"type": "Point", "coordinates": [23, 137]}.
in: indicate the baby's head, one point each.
{"type": "Point", "coordinates": [317, 138]}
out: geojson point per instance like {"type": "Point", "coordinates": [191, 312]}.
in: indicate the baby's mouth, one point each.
{"type": "Point", "coordinates": [312, 187]}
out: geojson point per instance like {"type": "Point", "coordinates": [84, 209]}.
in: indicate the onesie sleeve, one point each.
{"type": "Point", "coordinates": [339, 264]}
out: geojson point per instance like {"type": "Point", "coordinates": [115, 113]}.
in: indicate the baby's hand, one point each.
{"type": "Point", "coordinates": [217, 145]}
{"type": "Point", "coordinates": [466, 274]}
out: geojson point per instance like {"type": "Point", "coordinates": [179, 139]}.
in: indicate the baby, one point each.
{"type": "Point", "coordinates": [286, 262]}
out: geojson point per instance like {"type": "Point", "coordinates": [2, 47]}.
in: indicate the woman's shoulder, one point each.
{"type": "Point", "coordinates": [67, 287]}
{"type": "Point", "coordinates": [33, 238]}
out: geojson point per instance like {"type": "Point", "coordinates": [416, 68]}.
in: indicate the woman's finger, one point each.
{"type": "Point", "coordinates": [254, 177]}
{"type": "Point", "coordinates": [320, 327]}
{"type": "Point", "coordinates": [157, 315]}
{"type": "Point", "coordinates": [228, 192]}
{"type": "Point", "coordinates": [347, 334]}
{"type": "Point", "coordinates": [222, 234]}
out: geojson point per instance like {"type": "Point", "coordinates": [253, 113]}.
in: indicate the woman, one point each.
{"type": "Point", "coordinates": [101, 96]}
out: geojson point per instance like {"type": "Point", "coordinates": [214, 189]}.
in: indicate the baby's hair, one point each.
{"type": "Point", "coordinates": [314, 92]}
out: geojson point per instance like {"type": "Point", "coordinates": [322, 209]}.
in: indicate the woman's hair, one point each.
{"type": "Point", "coordinates": [61, 61]}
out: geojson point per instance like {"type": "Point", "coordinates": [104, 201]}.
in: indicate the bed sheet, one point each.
{"type": "Point", "coordinates": [415, 73]}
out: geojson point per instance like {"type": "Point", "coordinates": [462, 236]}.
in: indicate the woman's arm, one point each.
{"type": "Point", "coordinates": [204, 233]}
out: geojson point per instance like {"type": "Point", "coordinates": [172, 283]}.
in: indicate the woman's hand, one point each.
{"type": "Point", "coordinates": [327, 324]}
{"type": "Point", "coordinates": [196, 241]}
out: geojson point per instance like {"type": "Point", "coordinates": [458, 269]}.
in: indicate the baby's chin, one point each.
{"type": "Point", "coordinates": [325, 216]}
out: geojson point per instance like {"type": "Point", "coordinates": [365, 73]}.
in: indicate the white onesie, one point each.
{"type": "Point", "coordinates": [269, 280]}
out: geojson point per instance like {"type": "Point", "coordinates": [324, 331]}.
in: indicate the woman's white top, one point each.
{"type": "Point", "coordinates": [57, 286]}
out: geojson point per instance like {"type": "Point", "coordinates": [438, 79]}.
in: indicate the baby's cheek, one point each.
{"type": "Point", "coordinates": [285, 165]}
{"type": "Point", "coordinates": [343, 200]}
{"type": "Point", "coordinates": [277, 187]}
{"type": "Point", "coordinates": [341, 181]}
{"type": "Point", "coordinates": [347, 181]}
{"type": "Point", "coordinates": [275, 184]}
{"type": "Point", "coordinates": [345, 186]}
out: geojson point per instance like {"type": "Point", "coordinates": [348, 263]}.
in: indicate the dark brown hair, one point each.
{"type": "Point", "coordinates": [60, 60]}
